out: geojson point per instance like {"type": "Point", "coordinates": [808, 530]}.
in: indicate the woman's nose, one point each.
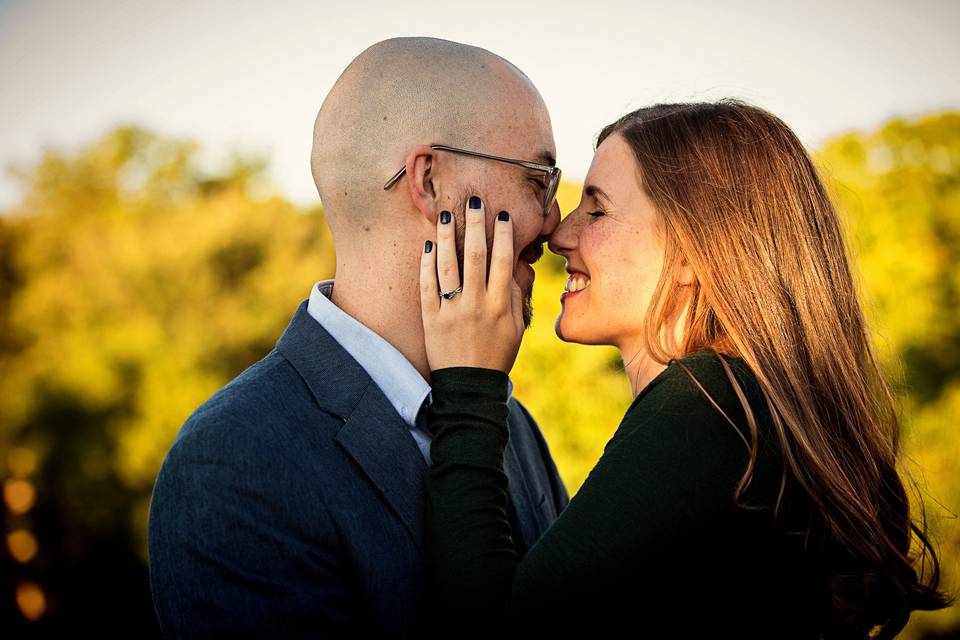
{"type": "Point", "coordinates": [563, 238]}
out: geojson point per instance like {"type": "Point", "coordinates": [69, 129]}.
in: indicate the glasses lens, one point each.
{"type": "Point", "coordinates": [551, 195]}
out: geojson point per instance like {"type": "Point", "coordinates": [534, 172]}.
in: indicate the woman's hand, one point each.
{"type": "Point", "coordinates": [483, 324]}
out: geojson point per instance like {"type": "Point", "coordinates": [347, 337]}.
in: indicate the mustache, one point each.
{"type": "Point", "coordinates": [533, 252]}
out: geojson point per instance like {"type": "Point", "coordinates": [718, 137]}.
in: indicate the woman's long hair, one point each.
{"type": "Point", "coordinates": [739, 199]}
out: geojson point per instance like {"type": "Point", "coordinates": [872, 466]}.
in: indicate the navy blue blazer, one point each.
{"type": "Point", "coordinates": [291, 503]}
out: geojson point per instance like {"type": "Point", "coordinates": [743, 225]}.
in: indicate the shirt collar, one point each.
{"type": "Point", "coordinates": [389, 369]}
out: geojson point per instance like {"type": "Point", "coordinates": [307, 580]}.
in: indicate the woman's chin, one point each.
{"type": "Point", "coordinates": [562, 327]}
{"type": "Point", "coordinates": [571, 326]}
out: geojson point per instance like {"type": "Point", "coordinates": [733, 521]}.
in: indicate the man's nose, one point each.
{"type": "Point", "coordinates": [551, 220]}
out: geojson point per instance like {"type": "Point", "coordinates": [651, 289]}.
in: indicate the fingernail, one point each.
{"type": "Point", "coordinates": [444, 217]}
{"type": "Point", "coordinates": [503, 215]}
{"type": "Point", "coordinates": [428, 246]}
{"type": "Point", "coordinates": [474, 202]}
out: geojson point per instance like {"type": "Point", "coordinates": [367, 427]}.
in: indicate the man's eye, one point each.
{"type": "Point", "coordinates": [539, 183]}
{"type": "Point", "coordinates": [596, 214]}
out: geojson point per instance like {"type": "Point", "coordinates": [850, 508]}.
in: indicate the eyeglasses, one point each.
{"type": "Point", "coordinates": [552, 172]}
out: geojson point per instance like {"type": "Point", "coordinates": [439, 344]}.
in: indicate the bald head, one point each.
{"type": "Point", "coordinates": [403, 92]}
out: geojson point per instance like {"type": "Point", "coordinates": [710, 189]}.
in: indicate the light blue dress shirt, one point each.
{"type": "Point", "coordinates": [390, 370]}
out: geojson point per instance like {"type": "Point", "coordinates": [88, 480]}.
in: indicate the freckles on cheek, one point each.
{"type": "Point", "coordinates": [624, 272]}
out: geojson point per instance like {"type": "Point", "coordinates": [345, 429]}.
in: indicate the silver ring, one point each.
{"type": "Point", "coordinates": [450, 294]}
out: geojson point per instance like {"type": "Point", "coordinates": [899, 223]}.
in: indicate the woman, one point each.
{"type": "Point", "coordinates": [751, 488]}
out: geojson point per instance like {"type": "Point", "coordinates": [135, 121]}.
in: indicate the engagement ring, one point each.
{"type": "Point", "coordinates": [450, 294]}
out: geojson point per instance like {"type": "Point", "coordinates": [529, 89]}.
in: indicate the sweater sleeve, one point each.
{"type": "Point", "coordinates": [470, 553]}
{"type": "Point", "coordinates": [671, 466]}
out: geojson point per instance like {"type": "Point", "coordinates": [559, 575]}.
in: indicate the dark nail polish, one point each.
{"type": "Point", "coordinates": [474, 202]}
{"type": "Point", "coordinates": [428, 246]}
{"type": "Point", "coordinates": [444, 217]}
{"type": "Point", "coordinates": [503, 215]}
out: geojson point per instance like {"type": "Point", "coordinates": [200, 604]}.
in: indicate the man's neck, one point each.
{"type": "Point", "coordinates": [389, 308]}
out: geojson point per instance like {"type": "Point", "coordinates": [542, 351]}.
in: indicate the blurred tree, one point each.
{"type": "Point", "coordinates": [133, 286]}
{"type": "Point", "coordinates": [899, 190]}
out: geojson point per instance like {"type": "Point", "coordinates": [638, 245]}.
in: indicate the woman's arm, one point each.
{"type": "Point", "coordinates": [671, 466]}
{"type": "Point", "coordinates": [470, 552]}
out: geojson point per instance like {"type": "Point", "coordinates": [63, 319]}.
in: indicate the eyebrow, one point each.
{"type": "Point", "coordinates": [593, 191]}
{"type": "Point", "coordinates": [546, 157]}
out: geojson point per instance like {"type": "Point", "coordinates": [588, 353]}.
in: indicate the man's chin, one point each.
{"type": "Point", "coordinates": [528, 306]}
{"type": "Point", "coordinates": [525, 280]}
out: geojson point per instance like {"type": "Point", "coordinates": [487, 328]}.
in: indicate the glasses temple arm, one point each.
{"type": "Point", "coordinates": [394, 178]}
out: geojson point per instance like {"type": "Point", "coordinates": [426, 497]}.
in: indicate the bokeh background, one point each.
{"type": "Point", "coordinates": [159, 225]}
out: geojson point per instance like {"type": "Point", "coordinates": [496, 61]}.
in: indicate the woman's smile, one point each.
{"type": "Point", "coordinates": [576, 283]}
{"type": "Point", "coordinates": [612, 231]}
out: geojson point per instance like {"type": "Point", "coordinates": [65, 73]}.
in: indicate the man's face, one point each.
{"type": "Point", "coordinates": [518, 190]}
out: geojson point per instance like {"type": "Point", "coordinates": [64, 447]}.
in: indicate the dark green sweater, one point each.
{"type": "Point", "coordinates": [651, 539]}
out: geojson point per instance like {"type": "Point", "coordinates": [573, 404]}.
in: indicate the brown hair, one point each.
{"type": "Point", "coordinates": [739, 199]}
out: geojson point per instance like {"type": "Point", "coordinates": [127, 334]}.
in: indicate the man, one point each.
{"type": "Point", "coordinates": [291, 503]}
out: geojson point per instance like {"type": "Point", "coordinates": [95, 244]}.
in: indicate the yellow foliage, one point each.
{"type": "Point", "coordinates": [132, 287]}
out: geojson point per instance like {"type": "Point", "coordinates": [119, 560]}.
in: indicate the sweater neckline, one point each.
{"type": "Point", "coordinates": [689, 356]}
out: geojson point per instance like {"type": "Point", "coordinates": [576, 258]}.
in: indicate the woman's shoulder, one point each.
{"type": "Point", "coordinates": [675, 421]}
{"type": "Point", "coordinates": [696, 389]}
{"type": "Point", "coordinates": [681, 375]}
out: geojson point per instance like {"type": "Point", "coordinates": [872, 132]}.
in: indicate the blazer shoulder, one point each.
{"type": "Point", "coordinates": [259, 381]}
{"type": "Point", "coordinates": [266, 400]}
{"type": "Point", "coordinates": [517, 408]}
{"type": "Point", "coordinates": [519, 414]}
{"type": "Point", "coordinates": [560, 495]}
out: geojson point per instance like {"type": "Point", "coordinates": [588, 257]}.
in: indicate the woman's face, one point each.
{"type": "Point", "coordinates": [609, 240]}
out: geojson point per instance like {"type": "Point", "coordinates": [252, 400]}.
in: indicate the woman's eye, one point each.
{"type": "Point", "coordinates": [596, 214]}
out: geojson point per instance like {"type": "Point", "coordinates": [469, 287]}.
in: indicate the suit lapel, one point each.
{"type": "Point", "coordinates": [381, 444]}
{"type": "Point", "coordinates": [334, 377]}
{"type": "Point", "coordinates": [373, 434]}
{"type": "Point", "coordinates": [378, 439]}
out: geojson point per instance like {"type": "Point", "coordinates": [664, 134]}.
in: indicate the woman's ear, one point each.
{"type": "Point", "coordinates": [685, 275]}
{"type": "Point", "coordinates": [419, 180]}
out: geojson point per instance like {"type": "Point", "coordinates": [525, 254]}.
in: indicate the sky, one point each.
{"type": "Point", "coordinates": [250, 76]}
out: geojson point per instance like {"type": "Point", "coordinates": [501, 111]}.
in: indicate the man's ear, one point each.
{"type": "Point", "coordinates": [419, 180]}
